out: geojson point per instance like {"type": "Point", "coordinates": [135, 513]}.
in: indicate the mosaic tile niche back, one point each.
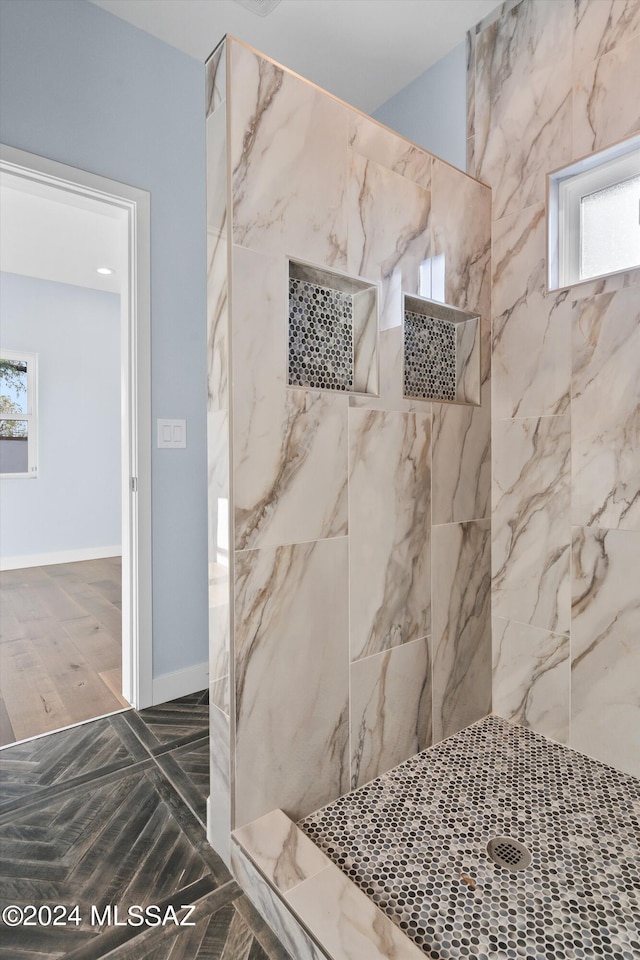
{"type": "Point", "coordinates": [416, 839]}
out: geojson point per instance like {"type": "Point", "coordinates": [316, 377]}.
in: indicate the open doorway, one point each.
{"type": "Point", "coordinates": [75, 487]}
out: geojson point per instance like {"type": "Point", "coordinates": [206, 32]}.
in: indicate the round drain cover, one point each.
{"type": "Point", "coordinates": [509, 853]}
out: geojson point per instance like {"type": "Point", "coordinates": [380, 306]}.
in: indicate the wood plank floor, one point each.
{"type": "Point", "coordinates": [60, 646]}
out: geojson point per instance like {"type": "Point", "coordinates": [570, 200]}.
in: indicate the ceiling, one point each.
{"type": "Point", "coordinates": [47, 233]}
{"type": "Point", "coordinates": [363, 51]}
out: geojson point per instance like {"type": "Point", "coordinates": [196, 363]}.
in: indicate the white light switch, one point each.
{"type": "Point", "coordinates": [172, 434]}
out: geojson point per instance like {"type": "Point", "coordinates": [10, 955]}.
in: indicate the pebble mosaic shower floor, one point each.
{"type": "Point", "coordinates": [415, 841]}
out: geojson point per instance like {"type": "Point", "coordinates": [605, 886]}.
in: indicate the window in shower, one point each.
{"type": "Point", "coordinates": [594, 216]}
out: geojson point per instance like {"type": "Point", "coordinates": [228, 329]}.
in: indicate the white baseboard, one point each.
{"type": "Point", "coordinates": [60, 556]}
{"type": "Point", "coordinates": [170, 686]}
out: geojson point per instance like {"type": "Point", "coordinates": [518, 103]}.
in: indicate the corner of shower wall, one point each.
{"type": "Point", "coordinates": [218, 455]}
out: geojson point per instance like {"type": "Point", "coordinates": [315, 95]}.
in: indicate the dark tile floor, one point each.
{"type": "Point", "coordinates": [112, 813]}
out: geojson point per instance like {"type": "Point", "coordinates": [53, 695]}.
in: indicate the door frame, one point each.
{"type": "Point", "coordinates": [135, 326]}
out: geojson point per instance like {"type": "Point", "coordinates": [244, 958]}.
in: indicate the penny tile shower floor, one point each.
{"type": "Point", "coordinates": [415, 840]}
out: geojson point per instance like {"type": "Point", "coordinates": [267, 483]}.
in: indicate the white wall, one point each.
{"type": "Point", "coordinates": [85, 88]}
{"type": "Point", "coordinates": [432, 110]}
{"type": "Point", "coordinates": [74, 503]}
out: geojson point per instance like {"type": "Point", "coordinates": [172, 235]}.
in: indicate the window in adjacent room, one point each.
{"type": "Point", "coordinates": [17, 414]}
{"type": "Point", "coordinates": [594, 216]}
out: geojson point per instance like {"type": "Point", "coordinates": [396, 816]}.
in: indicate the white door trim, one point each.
{"type": "Point", "coordinates": [137, 663]}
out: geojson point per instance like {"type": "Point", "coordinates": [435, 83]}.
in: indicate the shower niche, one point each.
{"type": "Point", "coordinates": [333, 331]}
{"type": "Point", "coordinates": [441, 352]}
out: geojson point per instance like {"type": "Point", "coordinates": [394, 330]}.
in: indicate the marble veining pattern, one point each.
{"type": "Point", "coordinates": [390, 706]}
{"type": "Point", "coordinates": [461, 460]}
{"type": "Point", "coordinates": [523, 101]}
{"type": "Point", "coordinates": [346, 922]}
{"type": "Point", "coordinates": [604, 108]}
{"type": "Point", "coordinates": [290, 933]}
{"type": "Point", "coordinates": [287, 148]}
{"type": "Point", "coordinates": [531, 529]}
{"type": "Point", "coordinates": [601, 26]}
{"type": "Point", "coordinates": [548, 83]}
{"type": "Point", "coordinates": [217, 322]}
{"type": "Point", "coordinates": [283, 853]}
{"type": "Point", "coordinates": [290, 446]}
{"type": "Point", "coordinates": [531, 677]}
{"type": "Point", "coordinates": [389, 529]}
{"type": "Point", "coordinates": [375, 142]}
{"type": "Point", "coordinates": [605, 646]}
{"type": "Point", "coordinates": [531, 329]}
{"type": "Point", "coordinates": [330, 493]}
{"type": "Point", "coordinates": [461, 218]}
{"type": "Point", "coordinates": [415, 841]}
{"type": "Point", "coordinates": [292, 676]}
{"type": "Point", "coordinates": [376, 196]}
{"type": "Point", "coordinates": [606, 411]}
{"type": "Point", "coordinates": [461, 678]}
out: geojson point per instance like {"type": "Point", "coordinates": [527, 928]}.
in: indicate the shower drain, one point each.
{"type": "Point", "coordinates": [509, 853]}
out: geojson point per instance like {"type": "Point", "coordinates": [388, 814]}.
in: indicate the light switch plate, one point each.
{"type": "Point", "coordinates": [172, 434]}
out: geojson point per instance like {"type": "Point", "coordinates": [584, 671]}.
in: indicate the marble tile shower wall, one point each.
{"type": "Point", "coordinates": [549, 83]}
{"type": "Point", "coordinates": [339, 505]}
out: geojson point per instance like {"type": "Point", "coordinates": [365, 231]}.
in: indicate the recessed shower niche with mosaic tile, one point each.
{"type": "Point", "coordinates": [441, 352]}
{"type": "Point", "coordinates": [333, 331]}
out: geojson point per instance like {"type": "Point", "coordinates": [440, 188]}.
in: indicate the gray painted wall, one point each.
{"type": "Point", "coordinates": [85, 88]}
{"type": "Point", "coordinates": [432, 110]}
{"type": "Point", "coordinates": [75, 500]}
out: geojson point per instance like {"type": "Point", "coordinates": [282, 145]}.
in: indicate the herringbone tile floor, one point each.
{"type": "Point", "coordinates": [111, 813]}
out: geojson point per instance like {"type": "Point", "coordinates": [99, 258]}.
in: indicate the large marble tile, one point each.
{"type": "Point", "coordinates": [605, 646]}
{"type": "Point", "coordinates": [285, 855]}
{"type": "Point", "coordinates": [217, 321]}
{"type": "Point", "coordinates": [605, 108]}
{"type": "Point", "coordinates": [461, 672]}
{"type": "Point", "coordinates": [461, 222]}
{"type": "Point", "coordinates": [388, 232]}
{"type": "Point", "coordinates": [606, 411]}
{"type": "Point", "coordinates": [346, 922]}
{"type": "Point", "coordinates": [390, 709]}
{"type": "Point", "coordinates": [523, 101]}
{"type": "Point", "coordinates": [291, 677]}
{"type": "Point", "coordinates": [216, 78]}
{"type": "Point", "coordinates": [219, 620]}
{"type": "Point", "coordinates": [388, 149]}
{"type": "Point", "coordinates": [389, 529]}
{"type": "Point", "coordinates": [532, 677]}
{"type": "Point", "coordinates": [461, 460]}
{"type": "Point", "coordinates": [271, 908]}
{"type": "Point", "coordinates": [288, 143]}
{"type": "Point", "coordinates": [216, 139]}
{"type": "Point", "coordinates": [219, 804]}
{"type": "Point", "coordinates": [289, 445]}
{"type": "Point", "coordinates": [531, 369]}
{"type": "Point", "coordinates": [601, 25]}
{"type": "Point", "coordinates": [531, 524]}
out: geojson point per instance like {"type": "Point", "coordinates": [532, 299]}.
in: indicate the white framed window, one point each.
{"type": "Point", "coordinates": [18, 411]}
{"type": "Point", "coordinates": [594, 216]}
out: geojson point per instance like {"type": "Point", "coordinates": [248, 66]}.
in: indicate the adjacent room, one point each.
{"type": "Point", "coordinates": [61, 517]}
